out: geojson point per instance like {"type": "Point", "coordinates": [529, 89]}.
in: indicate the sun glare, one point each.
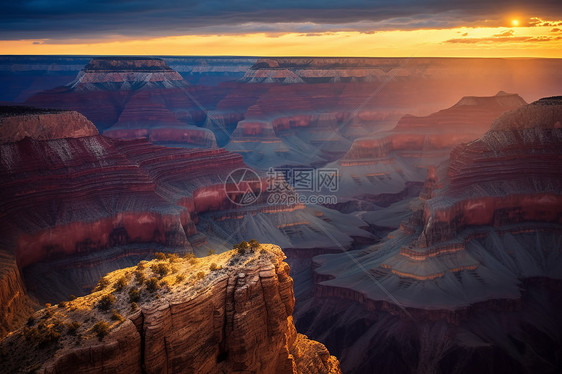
{"type": "Point", "coordinates": [515, 22]}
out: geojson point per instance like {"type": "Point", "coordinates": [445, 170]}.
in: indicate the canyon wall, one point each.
{"type": "Point", "coordinates": [387, 161]}
{"type": "Point", "coordinates": [68, 191]}
{"type": "Point", "coordinates": [96, 204]}
{"type": "Point", "coordinates": [482, 243]}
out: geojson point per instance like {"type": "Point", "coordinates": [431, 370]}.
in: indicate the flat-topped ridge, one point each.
{"type": "Point", "coordinates": [135, 64]}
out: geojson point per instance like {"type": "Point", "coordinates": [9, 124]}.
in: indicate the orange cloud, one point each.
{"type": "Point", "coordinates": [535, 41]}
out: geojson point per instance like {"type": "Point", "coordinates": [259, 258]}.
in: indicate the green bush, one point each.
{"type": "Point", "coordinates": [254, 243]}
{"type": "Point", "coordinates": [160, 256]}
{"type": "Point", "coordinates": [152, 284]}
{"type": "Point", "coordinates": [116, 316]}
{"type": "Point", "coordinates": [102, 283]}
{"type": "Point", "coordinates": [200, 275]}
{"type": "Point", "coordinates": [73, 327]}
{"type": "Point", "coordinates": [180, 278]}
{"type": "Point", "coordinates": [211, 252]}
{"type": "Point", "coordinates": [101, 329]}
{"type": "Point", "coordinates": [134, 295]}
{"type": "Point", "coordinates": [121, 283]}
{"type": "Point", "coordinates": [242, 247]}
{"type": "Point", "coordinates": [44, 333]}
{"type": "Point", "coordinates": [140, 276]}
{"type": "Point", "coordinates": [106, 301]}
{"type": "Point", "coordinates": [160, 269]}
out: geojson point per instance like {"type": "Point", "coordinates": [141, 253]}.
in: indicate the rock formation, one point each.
{"type": "Point", "coordinates": [136, 97]}
{"type": "Point", "coordinates": [17, 123]}
{"type": "Point", "coordinates": [482, 244]}
{"type": "Point", "coordinates": [225, 313]}
{"type": "Point", "coordinates": [387, 161]}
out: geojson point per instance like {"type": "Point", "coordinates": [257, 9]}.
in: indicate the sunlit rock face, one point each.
{"type": "Point", "coordinates": [223, 313]}
{"type": "Point", "coordinates": [476, 266]}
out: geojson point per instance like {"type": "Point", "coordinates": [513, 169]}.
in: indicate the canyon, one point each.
{"type": "Point", "coordinates": [74, 208]}
{"type": "Point", "coordinates": [441, 253]}
{"type": "Point", "coordinates": [482, 244]}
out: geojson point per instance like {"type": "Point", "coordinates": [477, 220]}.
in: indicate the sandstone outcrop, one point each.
{"type": "Point", "coordinates": [16, 304]}
{"type": "Point", "coordinates": [235, 317]}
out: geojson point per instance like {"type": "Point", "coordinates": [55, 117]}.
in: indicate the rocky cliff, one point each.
{"type": "Point", "coordinates": [16, 304]}
{"type": "Point", "coordinates": [225, 313]}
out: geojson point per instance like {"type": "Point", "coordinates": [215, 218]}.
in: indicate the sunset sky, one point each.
{"type": "Point", "coordinates": [384, 28]}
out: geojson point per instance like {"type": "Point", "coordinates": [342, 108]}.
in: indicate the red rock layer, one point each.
{"type": "Point", "coordinates": [77, 195]}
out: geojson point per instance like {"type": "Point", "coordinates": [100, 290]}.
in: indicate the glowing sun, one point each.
{"type": "Point", "coordinates": [515, 22]}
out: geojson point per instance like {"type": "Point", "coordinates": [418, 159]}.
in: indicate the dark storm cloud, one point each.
{"type": "Point", "coordinates": [71, 18]}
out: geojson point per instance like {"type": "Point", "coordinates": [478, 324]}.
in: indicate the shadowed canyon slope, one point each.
{"type": "Point", "coordinates": [236, 317]}
{"type": "Point", "coordinates": [476, 267]}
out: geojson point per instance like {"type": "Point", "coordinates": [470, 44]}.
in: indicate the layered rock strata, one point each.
{"type": "Point", "coordinates": [236, 317]}
{"type": "Point", "coordinates": [482, 243]}
{"type": "Point", "coordinates": [387, 161]}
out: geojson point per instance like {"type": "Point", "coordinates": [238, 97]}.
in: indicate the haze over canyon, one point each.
{"type": "Point", "coordinates": [155, 218]}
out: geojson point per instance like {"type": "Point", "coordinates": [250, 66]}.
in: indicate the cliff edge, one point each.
{"type": "Point", "coordinates": [223, 313]}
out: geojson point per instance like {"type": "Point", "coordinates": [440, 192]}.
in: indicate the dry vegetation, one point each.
{"type": "Point", "coordinates": [120, 294]}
